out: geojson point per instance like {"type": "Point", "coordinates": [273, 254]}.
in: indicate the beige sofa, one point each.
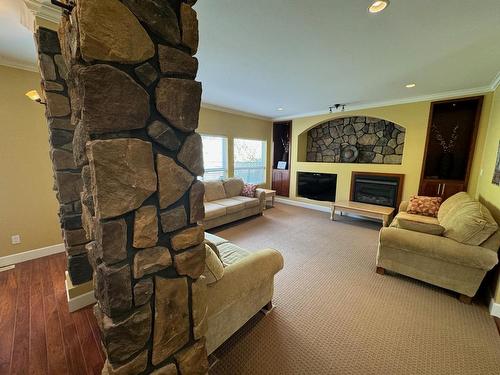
{"type": "Point", "coordinates": [453, 251]}
{"type": "Point", "coordinates": [246, 287]}
{"type": "Point", "coordinates": [224, 203]}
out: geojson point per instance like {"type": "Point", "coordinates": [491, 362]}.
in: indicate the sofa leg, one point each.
{"type": "Point", "coordinates": [267, 308]}
{"type": "Point", "coordinates": [465, 299]}
{"type": "Point", "coordinates": [380, 270]}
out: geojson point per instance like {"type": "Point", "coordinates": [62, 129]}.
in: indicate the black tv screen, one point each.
{"type": "Point", "coordinates": [317, 186]}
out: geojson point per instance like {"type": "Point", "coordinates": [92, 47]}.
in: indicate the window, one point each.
{"type": "Point", "coordinates": [250, 160]}
{"type": "Point", "coordinates": [214, 157]}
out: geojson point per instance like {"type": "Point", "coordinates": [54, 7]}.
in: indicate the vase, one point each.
{"type": "Point", "coordinates": [446, 165]}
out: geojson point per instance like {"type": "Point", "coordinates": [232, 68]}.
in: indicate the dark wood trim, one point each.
{"type": "Point", "coordinates": [401, 178]}
{"type": "Point", "coordinates": [497, 322]}
{"type": "Point", "coordinates": [480, 99]}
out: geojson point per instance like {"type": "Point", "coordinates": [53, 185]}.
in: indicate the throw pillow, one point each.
{"type": "Point", "coordinates": [249, 190]}
{"type": "Point", "coordinates": [214, 269]}
{"type": "Point", "coordinates": [426, 206]}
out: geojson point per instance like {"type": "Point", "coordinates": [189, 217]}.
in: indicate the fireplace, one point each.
{"type": "Point", "coordinates": [377, 188]}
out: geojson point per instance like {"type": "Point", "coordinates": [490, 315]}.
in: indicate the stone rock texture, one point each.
{"type": "Point", "coordinates": [164, 135]}
{"type": "Point", "coordinates": [169, 369]}
{"type": "Point", "coordinates": [173, 219]}
{"type": "Point", "coordinates": [146, 73]}
{"type": "Point", "coordinates": [69, 186]}
{"type": "Point", "coordinates": [159, 16]}
{"type": "Point", "coordinates": [62, 159]}
{"type": "Point", "coordinates": [173, 60]}
{"type": "Point", "coordinates": [171, 326]}
{"type": "Point", "coordinates": [191, 154]}
{"type": "Point", "coordinates": [57, 105]}
{"type": "Point", "coordinates": [47, 41]}
{"type": "Point", "coordinates": [189, 28]}
{"type": "Point", "coordinates": [111, 238]}
{"type": "Point", "coordinates": [47, 68]}
{"type": "Point", "coordinates": [377, 141]}
{"type": "Point", "coordinates": [145, 227]}
{"type": "Point", "coordinates": [113, 289]}
{"type": "Point", "coordinates": [188, 238]}
{"type": "Point", "coordinates": [124, 337]}
{"type": "Point", "coordinates": [135, 366]}
{"type": "Point", "coordinates": [52, 86]}
{"type": "Point", "coordinates": [178, 100]}
{"type": "Point", "coordinates": [108, 31]}
{"type": "Point", "coordinates": [79, 268]}
{"type": "Point", "coordinates": [193, 360]}
{"type": "Point", "coordinates": [123, 175]}
{"type": "Point", "coordinates": [111, 100]}
{"type": "Point", "coordinates": [173, 180]}
{"type": "Point", "coordinates": [151, 260]}
{"type": "Point", "coordinates": [62, 68]}
{"type": "Point", "coordinates": [200, 307]}
{"type": "Point", "coordinates": [143, 291]}
{"type": "Point", "coordinates": [191, 262]}
{"type": "Point", "coordinates": [196, 206]}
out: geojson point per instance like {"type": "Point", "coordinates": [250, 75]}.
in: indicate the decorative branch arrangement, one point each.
{"type": "Point", "coordinates": [447, 146]}
{"type": "Point", "coordinates": [286, 143]}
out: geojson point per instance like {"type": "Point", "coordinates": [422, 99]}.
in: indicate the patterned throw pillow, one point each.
{"type": "Point", "coordinates": [426, 206]}
{"type": "Point", "coordinates": [249, 190]}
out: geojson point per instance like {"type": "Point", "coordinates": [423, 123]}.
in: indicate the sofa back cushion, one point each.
{"type": "Point", "coordinates": [233, 187]}
{"type": "Point", "coordinates": [214, 269]}
{"type": "Point", "coordinates": [417, 223]}
{"type": "Point", "coordinates": [469, 223]}
{"type": "Point", "coordinates": [214, 190]}
{"type": "Point", "coordinates": [452, 202]}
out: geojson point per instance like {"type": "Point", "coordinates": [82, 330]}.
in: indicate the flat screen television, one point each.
{"type": "Point", "coordinates": [317, 186]}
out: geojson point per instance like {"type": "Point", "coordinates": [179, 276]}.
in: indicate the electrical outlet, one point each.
{"type": "Point", "coordinates": [15, 239]}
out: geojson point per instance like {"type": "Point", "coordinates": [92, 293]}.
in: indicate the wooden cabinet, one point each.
{"type": "Point", "coordinates": [451, 137]}
{"type": "Point", "coordinates": [282, 134]}
{"type": "Point", "coordinates": [281, 182]}
{"type": "Point", "coordinates": [441, 188]}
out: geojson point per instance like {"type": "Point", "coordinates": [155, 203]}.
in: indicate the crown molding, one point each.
{"type": "Point", "coordinates": [44, 9]}
{"type": "Point", "coordinates": [234, 111]}
{"type": "Point", "coordinates": [18, 65]}
{"type": "Point", "coordinates": [496, 82]}
{"type": "Point", "coordinates": [387, 103]}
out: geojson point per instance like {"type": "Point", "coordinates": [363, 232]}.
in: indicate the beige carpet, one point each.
{"type": "Point", "coordinates": [335, 315]}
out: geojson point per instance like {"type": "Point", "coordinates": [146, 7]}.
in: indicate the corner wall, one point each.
{"type": "Point", "coordinates": [414, 117]}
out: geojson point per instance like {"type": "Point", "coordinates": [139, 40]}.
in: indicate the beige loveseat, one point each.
{"type": "Point", "coordinates": [224, 203]}
{"type": "Point", "coordinates": [453, 251]}
{"type": "Point", "coordinates": [246, 286]}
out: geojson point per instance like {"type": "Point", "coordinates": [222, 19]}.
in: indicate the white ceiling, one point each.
{"type": "Point", "coordinates": [304, 56]}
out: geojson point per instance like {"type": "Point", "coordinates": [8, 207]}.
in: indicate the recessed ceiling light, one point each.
{"type": "Point", "coordinates": [378, 6]}
{"type": "Point", "coordinates": [410, 85]}
{"type": "Point", "coordinates": [279, 109]}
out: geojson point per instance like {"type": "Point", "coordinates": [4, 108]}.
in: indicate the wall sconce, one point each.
{"type": "Point", "coordinates": [33, 95]}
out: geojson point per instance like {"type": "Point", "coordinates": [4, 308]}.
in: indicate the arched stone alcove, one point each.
{"type": "Point", "coordinates": [356, 139]}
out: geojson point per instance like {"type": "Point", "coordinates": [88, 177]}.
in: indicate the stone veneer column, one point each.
{"type": "Point", "coordinates": [135, 111]}
{"type": "Point", "coordinates": [67, 178]}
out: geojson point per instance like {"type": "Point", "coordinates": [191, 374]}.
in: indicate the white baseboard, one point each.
{"type": "Point", "coordinates": [81, 301]}
{"type": "Point", "coordinates": [494, 308]}
{"type": "Point", "coordinates": [31, 254]}
{"type": "Point", "coordinates": [311, 206]}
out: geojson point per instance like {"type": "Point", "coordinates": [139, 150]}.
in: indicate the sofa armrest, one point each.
{"type": "Point", "coordinates": [247, 274]}
{"type": "Point", "coordinates": [261, 194]}
{"type": "Point", "coordinates": [437, 247]}
{"type": "Point", "coordinates": [403, 206]}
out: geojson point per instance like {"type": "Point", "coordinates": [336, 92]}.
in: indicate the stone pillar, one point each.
{"type": "Point", "coordinates": [67, 174]}
{"type": "Point", "coordinates": [135, 110]}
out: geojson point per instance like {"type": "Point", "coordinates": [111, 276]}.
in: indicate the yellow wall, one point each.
{"type": "Point", "coordinates": [487, 192]}
{"type": "Point", "coordinates": [28, 205]}
{"type": "Point", "coordinates": [233, 126]}
{"type": "Point", "coordinates": [414, 117]}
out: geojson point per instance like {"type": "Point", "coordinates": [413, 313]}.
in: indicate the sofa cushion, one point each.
{"type": "Point", "coordinates": [231, 253]}
{"type": "Point", "coordinates": [233, 187]}
{"type": "Point", "coordinates": [418, 223]}
{"type": "Point", "coordinates": [426, 206]}
{"type": "Point", "coordinates": [469, 223]}
{"type": "Point", "coordinates": [214, 269]}
{"type": "Point", "coordinates": [249, 202]}
{"type": "Point", "coordinates": [452, 202]}
{"type": "Point", "coordinates": [214, 190]}
{"type": "Point", "coordinates": [216, 240]}
{"type": "Point", "coordinates": [213, 210]}
{"type": "Point", "coordinates": [232, 205]}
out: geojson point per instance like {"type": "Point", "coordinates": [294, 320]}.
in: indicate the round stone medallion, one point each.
{"type": "Point", "coordinates": [349, 154]}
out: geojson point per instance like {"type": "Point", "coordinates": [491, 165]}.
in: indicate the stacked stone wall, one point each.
{"type": "Point", "coordinates": [135, 107]}
{"type": "Point", "coordinates": [67, 174]}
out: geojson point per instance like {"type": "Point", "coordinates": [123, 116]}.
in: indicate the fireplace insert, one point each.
{"type": "Point", "coordinates": [317, 186]}
{"type": "Point", "coordinates": [382, 190]}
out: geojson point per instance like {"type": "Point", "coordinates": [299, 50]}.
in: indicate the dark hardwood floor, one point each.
{"type": "Point", "coordinates": [38, 335]}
